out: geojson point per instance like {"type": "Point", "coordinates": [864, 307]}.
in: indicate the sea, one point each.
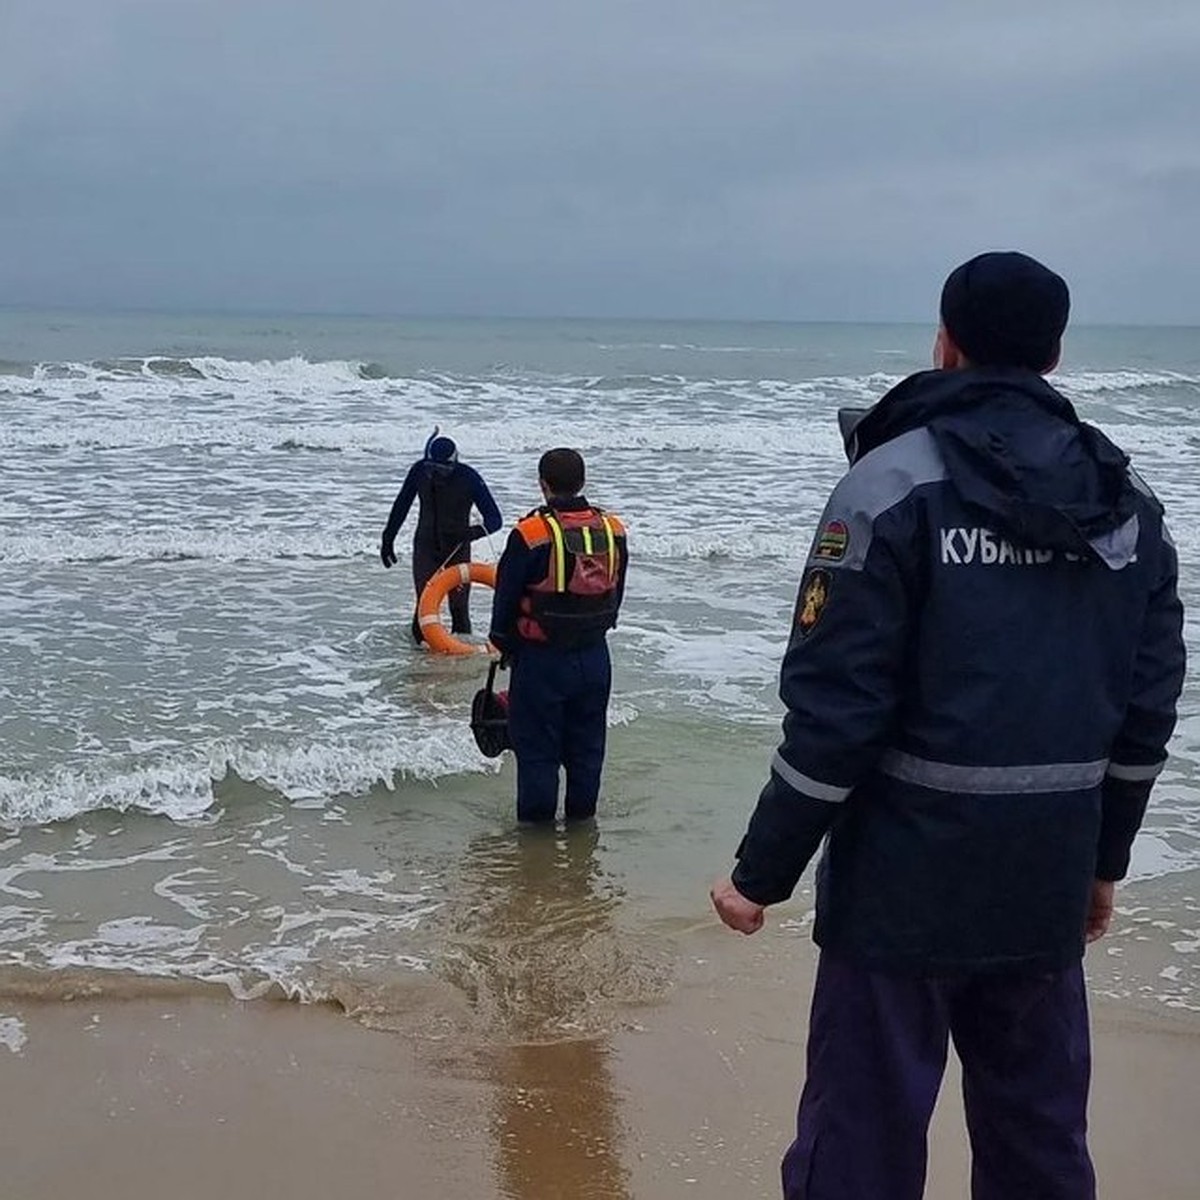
{"type": "Point", "coordinates": [224, 763]}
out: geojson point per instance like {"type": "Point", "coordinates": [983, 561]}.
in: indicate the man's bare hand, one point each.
{"type": "Point", "coordinates": [734, 909]}
{"type": "Point", "coordinates": [1101, 910]}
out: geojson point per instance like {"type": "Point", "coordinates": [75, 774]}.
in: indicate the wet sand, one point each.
{"type": "Point", "coordinates": [196, 1095]}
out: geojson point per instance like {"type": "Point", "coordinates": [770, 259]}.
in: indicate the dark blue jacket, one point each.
{"type": "Point", "coordinates": [446, 491]}
{"type": "Point", "coordinates": [980, 682]}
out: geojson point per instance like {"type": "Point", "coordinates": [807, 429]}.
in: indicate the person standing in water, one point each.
{"type": "Point", "coordinates": [559, 587]}
{"type": "Point", "coordinates": [447, 490]}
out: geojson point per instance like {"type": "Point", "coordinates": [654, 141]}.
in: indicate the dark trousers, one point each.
{"type": "Point", "coordinates": [427, 560]}
{"type": "Point", "coordinates": [876, 1053]}
{"type": "Point", "coordinates": [558, 718]}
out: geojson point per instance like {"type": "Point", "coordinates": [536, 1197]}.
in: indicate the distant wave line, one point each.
{"type": "Point", "coordinates": [271, 547]}
{"type": "Point", "coordinates": [297, 369]}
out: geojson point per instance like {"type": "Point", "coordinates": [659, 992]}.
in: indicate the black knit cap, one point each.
{"type": "Point", "coordinates": [1004, 309]}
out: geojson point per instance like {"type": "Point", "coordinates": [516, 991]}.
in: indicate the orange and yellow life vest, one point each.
{"type": "Point", "coordinates": [576, 601]}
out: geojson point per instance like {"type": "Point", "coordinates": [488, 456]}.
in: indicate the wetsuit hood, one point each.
{"type": "Point", "coordinates": [1015, 450]}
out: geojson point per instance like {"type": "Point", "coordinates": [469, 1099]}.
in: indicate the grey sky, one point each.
{"type": "Point", "coordinates": [741, 158]}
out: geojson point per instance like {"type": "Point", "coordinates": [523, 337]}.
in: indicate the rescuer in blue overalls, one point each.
{"type": "Point", "coordinates": [559, 585]}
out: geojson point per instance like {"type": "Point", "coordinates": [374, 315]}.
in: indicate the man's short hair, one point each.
{"type": "Point", "coordinates": [561, 470]}
{"type": "Point", "coordinates": [1005, 309]}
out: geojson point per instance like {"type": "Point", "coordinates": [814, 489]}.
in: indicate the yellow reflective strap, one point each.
{"type": "Point", "coordinates": [560, 554]}
{"type": "Point", "coordinates": [587, 540]}
{"type": "Point", "coordinates": [612, 546]}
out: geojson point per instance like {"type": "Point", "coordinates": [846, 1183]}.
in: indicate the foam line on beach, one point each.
{"type": "Point", "coordinates": [12, 1033]}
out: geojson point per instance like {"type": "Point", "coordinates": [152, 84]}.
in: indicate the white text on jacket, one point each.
{"type": "Point", "coordinates": [964, 546]}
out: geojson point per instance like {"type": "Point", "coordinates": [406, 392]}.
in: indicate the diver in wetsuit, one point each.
{"type": "Point", "coordinates": [447, 490]}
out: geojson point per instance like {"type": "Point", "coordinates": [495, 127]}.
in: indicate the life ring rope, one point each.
{"type": "Point", "coordinates": [437, 637]}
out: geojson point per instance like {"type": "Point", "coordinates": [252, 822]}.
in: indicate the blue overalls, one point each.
{"type": "Point", "coordinates": [558, 717]}
{"type": "Point", "coordinates": [552, 629]}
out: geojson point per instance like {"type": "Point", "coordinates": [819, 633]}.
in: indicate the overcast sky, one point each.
{"type": "Point", "coordinates": [693, 158]}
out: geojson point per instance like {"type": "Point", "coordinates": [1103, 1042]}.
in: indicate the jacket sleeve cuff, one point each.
{"type": "Point", "coordinates": [762, 890]}
{"type": "Point", "coordinates": [1124, 802]}
{"type": "Point", "coordinates": [785, 831]}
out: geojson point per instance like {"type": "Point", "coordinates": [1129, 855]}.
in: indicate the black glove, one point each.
{"type": "Point", "coordinates": [387, 554]}
{"type": "Point", "coordinates": [475, 532]}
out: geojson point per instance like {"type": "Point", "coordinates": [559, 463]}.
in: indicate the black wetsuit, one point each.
{"type": "Point", "coordinates": [447, 492]}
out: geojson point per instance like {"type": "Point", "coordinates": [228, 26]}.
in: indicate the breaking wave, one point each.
{"type": "Point", "coordinates": [185, 786]}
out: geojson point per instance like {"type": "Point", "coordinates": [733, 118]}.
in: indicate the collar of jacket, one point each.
{"type": "Point", "coordinates": [568, 503]}
{"type": "Point", "coordinates": [922, 398]}
{"type": "Point", "coordinates": [1018, 455]}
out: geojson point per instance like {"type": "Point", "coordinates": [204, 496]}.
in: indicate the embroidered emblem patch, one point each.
{"type": "Point", "coordinates": [814, 596]}
{"type": "Point", "coordinates": [832, 542]}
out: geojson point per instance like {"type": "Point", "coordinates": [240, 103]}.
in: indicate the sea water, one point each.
{"type": "Point", "coordinates": [223, 760]}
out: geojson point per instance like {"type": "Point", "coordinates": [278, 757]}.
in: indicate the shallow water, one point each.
{"type": "Point", "coordinates": [224, 761]}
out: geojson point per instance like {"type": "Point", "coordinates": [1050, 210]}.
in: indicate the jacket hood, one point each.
{"type": "Point", "coordinates": [1015, 450]}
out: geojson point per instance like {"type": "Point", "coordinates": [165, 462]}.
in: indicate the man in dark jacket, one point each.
{"type": "Point", "coordinates": [980, 685]}
{"type": "Point", "coordinates": [447, 489]}
{"type": "Point", "coordinates": [559, 586]}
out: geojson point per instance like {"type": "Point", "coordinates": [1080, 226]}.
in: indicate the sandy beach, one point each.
{"type": "Point", "coordinates": [197, 1095]}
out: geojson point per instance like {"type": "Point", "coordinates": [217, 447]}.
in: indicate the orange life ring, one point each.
{"type": "Point", "coordinates": [437, 637]}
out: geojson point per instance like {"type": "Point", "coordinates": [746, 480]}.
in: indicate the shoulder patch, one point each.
{"type": "Point", "coordinates": [814, 597]}
{"type": "Point", "coordinates": [832, 542]}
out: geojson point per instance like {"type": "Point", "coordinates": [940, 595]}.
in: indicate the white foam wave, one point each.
{"type": "Point", "coordinates": [298, 387]}
{"type": "Point", "coordinates": [698, 348]}
{"type": "Point", "coordinates": [136, 947]}
{"type": "Point", "coordinates": [230, 547]}
{"type": "Point", "coordinates": [718, 545]}
{"type": "Point", "coordinates": [730, 417]}
{"type": "Point", "coordinates": [171, 546]}
{"type": "Point", "coordinates": [182, 788]}
{"type": "Point", "coordinates": [1091, 383]}
{"type": "Point", "coordinates": [149, 433]}
{"type": "Point", "coordinates": [300, 372]}
{"type": "Point", "coordinates": [351, 768]}
{"type": "Point", "coordinates": [296, 371]}
{"type": "Point", "coordinates": [179, 961]}
{"type": "Point", "coordinates": [785, 434]}
{"type": "Point", "coordinates": [298, 378]}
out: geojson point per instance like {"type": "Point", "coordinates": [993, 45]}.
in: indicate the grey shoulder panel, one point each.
{"type": "Point", "coordinates": [876, 483]}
